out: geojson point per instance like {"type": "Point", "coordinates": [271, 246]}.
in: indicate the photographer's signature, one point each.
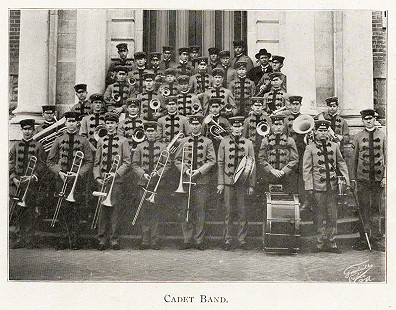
{"type": "Point", "coordinates": [358, 272]}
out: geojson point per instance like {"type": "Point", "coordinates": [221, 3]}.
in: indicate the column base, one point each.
{"type": "Point", "coordinates": [15, 132]}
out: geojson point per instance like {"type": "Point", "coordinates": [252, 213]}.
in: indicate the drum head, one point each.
{"type": "Point", "coordinates": [240, 169]}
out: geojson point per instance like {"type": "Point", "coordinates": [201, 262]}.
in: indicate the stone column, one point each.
{"type": "Point", "coordinates": [139, 30]}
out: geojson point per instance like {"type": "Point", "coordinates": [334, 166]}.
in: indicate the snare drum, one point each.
{"type": "Point", "coordinates": [244, 170]}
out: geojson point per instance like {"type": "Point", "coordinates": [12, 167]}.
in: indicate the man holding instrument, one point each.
{"type": "Point", "coordinates": [20, 158]}
{"type": "Point", "coordinates": [110, 147]}
{"type": "Point", "coordinates": [144, 160]}
{"type": "Point", "coordinates": [60, 162]}
{"type": "Point", "coordinates": [195, 165]}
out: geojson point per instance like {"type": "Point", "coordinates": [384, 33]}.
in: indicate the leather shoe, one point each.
{"type": "Point", "coordinates": [116, 247]}
{"type": "Point", "coordinates": [200, 247]}
{"type": "Point", "coordinates": [376, 246]}
{"type": "Point", "coordinates": [335, 250]}
{"type": "Point", "coordinates": [144, 246]}
{"type": "Point", "coordinates": [155, 246]}
{"type": "Point", "coordinates": [60, 246]}
{"type": "Point", "coordinates": [317, 250]}
{"type": "Point", "coordinates": [101, 247]}
{"type": "Point", "coordinates": [360, 246]}
{"type": "Point", "coordinates": [227, 246]}
{"type": "Point", "coordinates": [185, 246]}
{"type": "Point", "coordinates": [243, 246]}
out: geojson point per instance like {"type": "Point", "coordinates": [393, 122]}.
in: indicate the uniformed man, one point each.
{"type": "Point", "coordinates": [194, 54]}
{"type": "Point", "coordinates": [277, 65]}
{"type": "Point", "coordinates": [256, 73]}
{"type": "Point", "coordinates": [49, 117]}
{"type": "Point", "coordinates": [83, 106]}
{"type": "Point", "coordinates": [144, 161]}
{"type": "Point", "coordinates": [231, 151]}
{"type": "Point", "coordinates": [116, 94]}
{"type": "Point", "coordinates": [170, 83]}
{"type": "Point", "coordinates": [239, 55]}
{"type": "Point", "coordinates": [276, 98]}
{"type": "Point", "coordinates": [187, 102]}
{"type": "Point", "coordinates": [214, 61]}
{"type": "Point", "coordinates": [278, 156]}
{"type": "Point", "coordinates": [148, 97]}
{"type": "Point", "coordinates": [167, 61]}
{"type": "Point", "coordinates": [19, 157]}
{"type": "Point", "coordinates": [368, 174]}
{"type": "Point", "coordinates": [139, 70]}
{"type": "Point", "coordinates": [201, 81]}
{"type": "Point", "coordinates": [183, 67]}
{"type": "Point", "coordinates": [121, 61]}
{"type": "Point", "coordinates": [154, 66]}
{"type": "Point", "coordinates": [109, 147]}
{"type": "Point", "coordinates": [229, 72]}
{"type": "Point", "coordinates": [242, 89]}
{"type": "Point", "coordinates": [60, 160]}
{"type": "Point", "coordinates": [200, 160]}
{"type": "Point", "coordinates": [322, 159]}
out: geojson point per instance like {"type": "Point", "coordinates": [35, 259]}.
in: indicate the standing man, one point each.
{"type": "Point", "coordinates": [240, 55]}
{"type": "Point", "coordinates": [183, 67]}
{"type": "Point", "coordinates": [147, 96]}
{"type": "Point", "coordinates": [83, 106]}
{"type": "Point", "coordinates": [154, 66]}
{"type": "Point", "coordinates": [60, 160]}
{"type": "Point", "coordinates": [19, 157]}
{"type": "Point", "coordinates": [167, 61]}
{"type": "Point", "coordinates": [202, 80]}
{"type": "Point", "coordinates": [194, 54]}
{"type": "Point", "coordinates": [121, 61]}
{"type": "Point", "coordinates": [231, 151]}
{"type": "Point", "coordinates": [49, 117]}
{"type": "Point", "coordinates": [214, 61]}
{"type": "Point", "coordinates": [229, 71]}
{"type": "Point", "coordinates": [368, 174]}
{"type": "Point", "coordinates": [200, 161]}
{"type": "Point", "coordinates": [109, 147]}
{"type": "Point", "coordinates": [276, 98]}
{"type": "Point", "coordinates": [139, 70]}
{"type": "Point", "coordinates": [256, 73]}
{"type": "Point", "coordinates": [321, 160]}
{"type": "Point", "coordinates": [187, 102]}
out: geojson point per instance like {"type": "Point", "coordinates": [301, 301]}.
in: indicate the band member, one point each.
{"type": "Point", "coordinates": [218, 91]}
{"type": "Point", "coordinates": [264, 84]}
{"type": "Point", "coordinates": [167, 61]}
{"type": "Point", "coordinates": [170, 83]}
{"type": "Point", "coordinates": [337, 122]}
{"type": "Point", "coordinates": [144, 160]}
{"type": "Point", "coordinates": [19, 157]}
{"type": "Point", "coordinates": [321, 160]}
{"type": "Point", "coordinates": [109, 147]}
{"type": "Point", "coordinates": [231, 150]}
{"type": "Point", "coordinates": [278, 156]}
{"type": "Point", "coordinates": [194, 54]}
{"type": "Point", "coordinates": [276, 98]}
{"type": "Point", "coordinates": [240, 55]}
{"type": "Point", "coordinates": [172, 123]}
{"type": "Point", "coordinates": [368, 162]}
{"type": "Point", "coordinates": [145, 98]}
{"type": "Point", "coordinates": [90, 122]}
{"type": "Point", "coordinates": [183, 67]}
{"type": "Point", "coordinates": [121, 61]}
{"type": "Point", "coordinates": [256, 73]}
{"type": "Point", "coordinates": [83, 106]}
{"type": "Point", "coordinates": [154, 66]}
{"type": "Point", "coordinates": [49, 117]}
{"type": "Point", "coordinates": [187, 102]}
{"type": "Point", "coordinates": [229, 71]}
{"type": "Point", "coordinates": [242, 89]}
{"type": "Point", "coordinates": [139, 70]}
{"type": "Point", "coordinates": [214, 61]}
{"type": "Point", "coordinates": [201, 81]}
{"type": "Point", "coordinates": [116, 94]}
{"type": "Point", "coordinates": [277, 65]}
{"type": "Point", "coordinates": [60, 160]}
{"type": "Point", "coordinates": [200, 161]}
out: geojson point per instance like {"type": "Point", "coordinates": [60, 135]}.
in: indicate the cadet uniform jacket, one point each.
{"type": "Point", "coordinates": [200, 82]}
{"type": "Point", "coordinates": [147, 113]}
{"type": "Point", "coordinates": [111, 75]}
{"type": "Point", "coordinates": [185, 102]}
{"type": "Point", "coordinates": [127, 127]}
{"type": "Point", "coordinates": [320, 164]}
{"type": "Point", "coordinates": [89, 124]}
{"type": "Point", "coordinates": [339, 126]}
{"type": "Point", "coordinates": [298, 138]}
{"type": "Point", "coordinates": [230, 155]}
{"type": "Point", "coordinates": [110, 146]}
{"type": "Point", "coordinates": [171, 125]}
{"type": "Point", "coordinates": [82, 107]}
{"type": "Point", "coordinates": [212, 66]}
{"type": "Point", "coordinates": [61, 155]}
{"type": "Point", "coordinates": [243, 58]}
{"type": "Point", "coordinates": [368, 156]}
{"type": "Point", "coordinates": [266, 77]}
{"type": "Point", "coordinates": [242, 89]}
{"type": "Point", "coordinates": [184, 69]}
{"type": "Point", "coordinates": [250, 129]}
{"type": "Point", "coordinates": [173, 88]}
{"type": "Point", "coordinates": [219, 92]}
{"type": "Point", "coordinates": [276, 99]}
{"type": "Point", "coordinates": [137, 74]}
{"type": "Point", "coordinates": [229, 75]}
{"type": "Point", "coordinates": [278, 152]}
{"type": "Point", "coordinates": [124, 90]}
{"type": "Point", "coordinates": [166, 64]}
{"type": "Point", "coordinates": [204, 157]}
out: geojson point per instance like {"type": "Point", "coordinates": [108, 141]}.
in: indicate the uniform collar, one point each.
{"type": "Point", "coordinates": [372, 129]}
{"type": "Point", "coordinates": [28, 140]}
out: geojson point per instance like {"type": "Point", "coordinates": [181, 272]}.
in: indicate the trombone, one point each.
{"type": "Point", "coordinates": [17, 200]}
{"type": "Point", "coordinates": [74, 171]}
{"type": "Point", "coordinates": [215, 129]}
{"type": "Point", "coordinates": [103, 194]}
{"type": "Point", "coordinates": [187, 149]}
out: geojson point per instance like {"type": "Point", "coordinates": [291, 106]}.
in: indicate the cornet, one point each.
{"type": "Point", "coordinates": [279, 110]}
{"type": "Point", "coordinates": [155, 104]}
{"type": "Point", "coordinates": [263, 128]}
{"type": "Point", "coordinates": [131, 81]}
{"type": "Point", "coordinates": [165, 91]}
{"type": "Point", "coordinates": [74, 171]}
{"type": "Point", "coordinates": [215, 129]}
{"type": "Point", "coordinates": [138, 135]}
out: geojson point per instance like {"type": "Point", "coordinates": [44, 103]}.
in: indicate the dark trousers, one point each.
{"type": "Point", "coordinates": [235, 208]}
{"type": "Point", "coordinates": [196, 215]}
{"type": "Point", "coordinates": [149, 218]}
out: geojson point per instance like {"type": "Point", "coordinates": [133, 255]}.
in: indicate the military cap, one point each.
{"type": "Point", "coordinates": [111, 116]}
{"type": "Point", "coordinates": [184, 50]}
{"type": "Point", "coordinates": [215, 100]}
{"type": "Point", "coordinates": [148, 75]}
{"type": "Point", "coordinates": [167, 49]}
{"type": "Point", "coordinates": [132, 101]}
{"type": "Point", "coordinates": [277, 117]}
{"type": "Point", "coordinates": [80, 86]}
{"type": "Point", "coordinates": [95, 97]}
{"type": "Point", "coordinates": [262, 51]}
{"type": "Point", "coordinates": [194, 49]}
{"type": "Point", "coordinates": [224, 54]}
{"type": "Point", "coordinates": [171, 99]}
{"type": "Point", "coordinates": [72, 114]}
{"type": "Point", "coordinates": [295, 98]}
{"type": "Point", "coordinates": [150, 124]}
{"type": "Point", "coordinates": [253, 100]}
{"type": "Point", "coordinates": [27, 123]}
{"type": "Point", "coordinates": [195, 118]}
{"type": "Point", "coordinates": [218, 71]}
{"type": "Point", "coordinates": [236, 121]}
{"type": "Point", "coordinates": [183, 79]}
{"type": "Point", "coordinates": [367, 112]}
{"type": "Point", "coordinates": [273, 75]}
{"type": "Point", "coordinates": [140, 55]}
{"type": "Point", "coordinates": [240, 63]}
{"type": "Point", "coordinates": [201, 60]}
{"type": "Point", "coordinates": [238, 43]}
{"type": "Point", "coordinates": [170, 71]}
{"type": "Point", "coordinates": [121, 68]}
{"type": "Point", "coordinates": [277, 58]}
{"type": "Point", "coordinates": [331, 99]}
{"type": "Point", "coordinates": [122, 46]}
{"type": "Point", "coordinates": [322, 124]}
{"type": "Point", "coordinates": [213, 50]}
{"type": "Point", "coordinates": [48, 108]}
{"type": "Point", "coordinates": [155, 55]}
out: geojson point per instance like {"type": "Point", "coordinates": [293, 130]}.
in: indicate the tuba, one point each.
{"type": "Point", "coordinates": [304, 125]}
{"type": "Point", "coordinates": [138, 135]}
{"type": "Point", "coordinates": [100, 131]}
{"type": "Point", "coordinates": [215, 129]}
{"type": "Point", "coordinates": [263, 128]}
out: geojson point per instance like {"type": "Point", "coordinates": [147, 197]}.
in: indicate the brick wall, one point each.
{"type": "Point", "coordinates": [14, 30]}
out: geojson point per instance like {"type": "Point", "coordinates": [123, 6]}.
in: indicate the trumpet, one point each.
{"type": "Point", "coordinates": [74, 171]}
{"type": "Point", "coordinates": [304, 125]}
{"type": "Point", "coordinates": [131, 81]}
{"type": "Point", "coordinates": [116, 97]}
{"type": "Point", "coordinates": [187, 149]}
{"type": "Point", "coordinates": [263, 128]}
{"type": "Point", "coordinates": [215, 129]}
{"type": "Point", "coordinates": [100, 131]}
{"type": "Point", "coordinates": [102, 194]}
{"type": "Point", "coordinates": [165, 91]}
{"type": "Point", "coordinates": [17, 200]}
{"type": "Point", "coordinates": [138, 135]}
{"type": "Point", "coordinates": [279, 110]}
{"type": "Point", "coordinates": [155, 104]}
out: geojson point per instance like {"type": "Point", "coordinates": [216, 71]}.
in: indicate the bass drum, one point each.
{"type": "Point", "coordinates": [281, 228]}
{"type": "Point", "coordinates": [244, 170]}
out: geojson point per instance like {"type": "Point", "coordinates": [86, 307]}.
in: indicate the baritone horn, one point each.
{"type": "Point", "coordinates": [116, 97]}
{"type": "Point", "coordinates": [100, 131]}
{"type": "Point", "coordinates": [228, 108]}
{"type": "Point", "coordinates": [131, 81]}
{"type": "Point", "coordinates": [165, 91]}
{"type": "Point", "coordinates": [138, 135]}
{"type": "Point", "coordinates": [215, 129]}
{"type": "Point", "coordinates": [263, 128]}
{"type": "Point", "coordinates": [304, 125]}
{"type": "Point", "coordinates": [155, 104]}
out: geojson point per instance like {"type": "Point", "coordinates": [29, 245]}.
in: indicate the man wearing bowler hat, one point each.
{"type": "Point", "coordinates": [264, 66]}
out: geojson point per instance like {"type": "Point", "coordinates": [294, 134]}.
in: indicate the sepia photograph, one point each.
{"type": "Point", "coordinates": [197, 146]}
